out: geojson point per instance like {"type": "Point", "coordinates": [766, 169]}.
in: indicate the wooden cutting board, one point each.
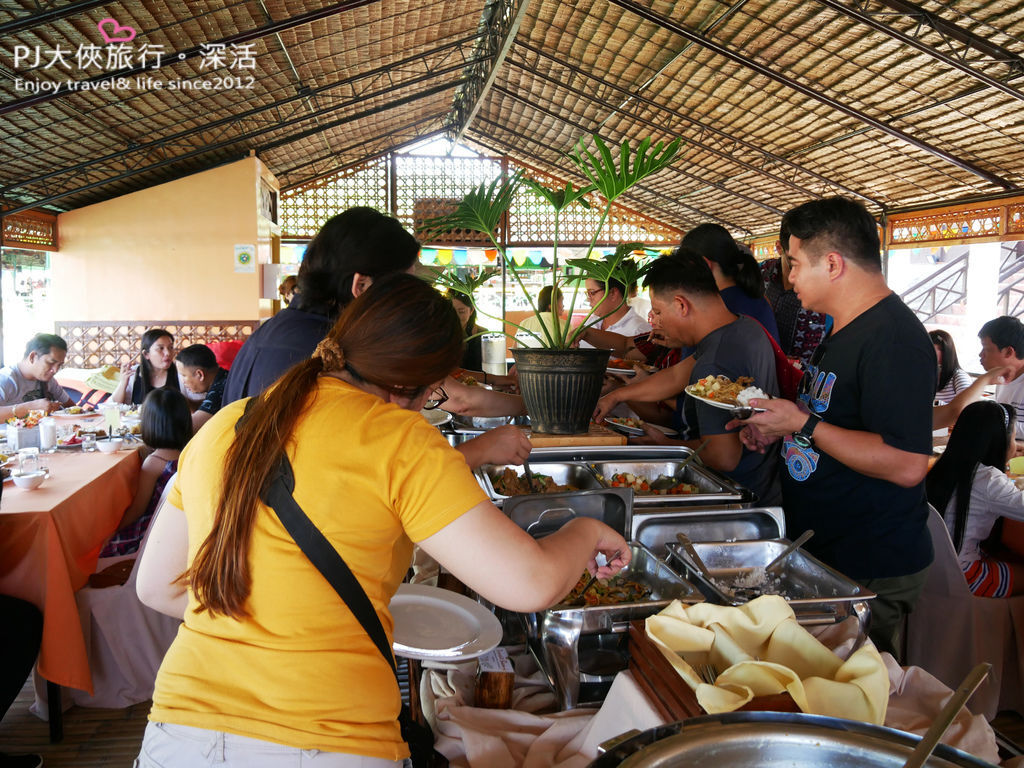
{"type": "Point", "coordinates": [597, 435]}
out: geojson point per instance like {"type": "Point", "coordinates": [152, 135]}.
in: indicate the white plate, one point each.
{"type": "Point", "coordinates": [637, 431]}
{"type": "Point", "coordinates": [63, 414]}
{"type": "Point", "coordinates": [621, 371]}
{"type": "Point", "coordinates": [939, 449]}
{"type": "Point", "coordinates": [715, 403]}
{"type": "Point", "coordinates": [434, 623]}
{"type": "Point", "coordinates": [436, 417]}
{"type": "Point", "coordinates": [624, 428]}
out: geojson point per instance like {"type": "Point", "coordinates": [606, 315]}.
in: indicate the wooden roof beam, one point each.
{"type": "Point", "coordinates": [190, 53]}
{"type": "Point", "coordinates": [49, 16]}
{"type": "Point", "coordinates": [648, 123]}
{"type": "Point", "coordinates": [500, 31]}
{"type": "Point", "coordinates": [761, 69]}
{"type": "Point", "coordinates": [145, 147]}
{"type": "Point", "coordinates": [698, 124]}
{"type": "Point", "coordinates": [954, 31]}
{"type": "Point", "coordinates": [245, 137]}
{"type": "Point", "coordinates": [913, 42]}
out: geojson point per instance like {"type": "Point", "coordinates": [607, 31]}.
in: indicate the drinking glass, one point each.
{"type": "Point", "coordinates": [28, 461]}
{"type": "Point", "coordinates": [89, 442]}
{"type": "Point", "coordinates": [48, 434]}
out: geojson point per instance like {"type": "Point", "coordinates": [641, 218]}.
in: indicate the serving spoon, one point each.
{"type": "Point", "coordinates": [776, 564]}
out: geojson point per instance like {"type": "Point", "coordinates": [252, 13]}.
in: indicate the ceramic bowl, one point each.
{"type": "Point", "coordinates": [30, 480]}
{"type": "Point", "coordinates": [109, 445]}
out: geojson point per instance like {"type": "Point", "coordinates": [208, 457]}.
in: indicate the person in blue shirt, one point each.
{"type": "Point", "coordinates": [736, 273]}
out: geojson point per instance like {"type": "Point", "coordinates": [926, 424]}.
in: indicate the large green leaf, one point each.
{"type": "Point", "coordinates": [560, 199]}
{"type": "Point", "coordinates": [633, 167]}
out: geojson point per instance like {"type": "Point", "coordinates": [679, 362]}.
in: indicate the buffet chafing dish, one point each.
{"type": "Point", "coordinates": [797, 740]}
{"type": "Point", "coordinates": [592, 467]}
{"type": "Point", "coordinates": [567, 640]}
{"type": "Point", "coordinates": [656, 527]}
{"type": "Point", "coordinates": [817, 593]}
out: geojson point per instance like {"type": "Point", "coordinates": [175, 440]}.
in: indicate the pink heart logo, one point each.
{"type": "Point", "coordinates": [118, 33]}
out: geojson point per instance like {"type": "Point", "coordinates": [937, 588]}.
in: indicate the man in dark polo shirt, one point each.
{"type": "Point", "coordinates": [855, 445]}
{"type": "Point", "coordinates": [197, 366]}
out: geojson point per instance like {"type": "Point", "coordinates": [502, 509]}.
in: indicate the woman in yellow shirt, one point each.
{"type": "Point", "coordinates": [269, 661]}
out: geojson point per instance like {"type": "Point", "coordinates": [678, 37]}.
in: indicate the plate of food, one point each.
{"type": "Point", "coordinates": [621, 367]}
{"type": "Point", "coordinates": [436, 417]}
{"type": "Point", "coordinates": [723, 392]}
{"type": "Point", "coordinates": [634, 427]}
{"type": "Point", "coordinates": [628, 425]}
{"type": "Point", "coordinates": [74, 412]}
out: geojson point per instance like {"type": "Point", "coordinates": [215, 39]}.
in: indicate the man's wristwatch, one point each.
{"type": "Point", "coordinates": [803, 437]}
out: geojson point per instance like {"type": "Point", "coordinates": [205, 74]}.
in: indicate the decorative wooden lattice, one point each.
{"type": "Point", "coordinates": [109, 342]}
{"type": "Point", "coordinates": [531, 220]}
{"type": "Point", "coordinates": [435, 181]}
{"type": "Point", "coordinates": [425, 186]}
{"type": "Point", "coordinates": [948, 226]}
{"type": "Point", "coordinates": [1015, 219]}
{"type": "Point", "coordinates": [30, 229]}
{"type": "Point", "coordinates": [304, 209]}
{"type": "Point", "coordinates": [426, 208]}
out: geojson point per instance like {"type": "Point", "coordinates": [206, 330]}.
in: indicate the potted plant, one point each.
{"type": "Point", "coordinates": [560, 383]}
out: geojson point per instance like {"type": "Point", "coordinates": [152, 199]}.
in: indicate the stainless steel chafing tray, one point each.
{"type": "Point", "coordinates": [593, 466]}
{"type": "Point", "coordinates": [817, 593]}
{"type": "Point", "coordinates": [543, 513]}
{"type": "Point", "coordinates": [655, 527]}
{"type": "Point", "coordinates": [554, 634]}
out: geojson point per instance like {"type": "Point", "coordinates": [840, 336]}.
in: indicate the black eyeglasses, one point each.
{"type": "Point", "coordinates": [437, 398]}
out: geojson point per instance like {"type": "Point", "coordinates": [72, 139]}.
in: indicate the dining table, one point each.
{"type": "Point", "coordinates": [50, 541]}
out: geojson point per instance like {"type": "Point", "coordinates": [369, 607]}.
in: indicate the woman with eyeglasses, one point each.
{"type": "Point", "coordinates": [269, 663]}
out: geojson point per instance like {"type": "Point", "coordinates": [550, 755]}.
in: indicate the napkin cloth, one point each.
{"type": "Point", "coordinates": [760, 649]}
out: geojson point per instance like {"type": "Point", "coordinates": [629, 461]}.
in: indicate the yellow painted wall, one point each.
{"type": "Point", "coordinates": [166, 252]}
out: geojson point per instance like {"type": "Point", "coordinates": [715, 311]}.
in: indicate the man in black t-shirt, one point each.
{"type": "Point", "coordinates": [198, 368]}
{"type": "Point", "coordinates": [855, 447]}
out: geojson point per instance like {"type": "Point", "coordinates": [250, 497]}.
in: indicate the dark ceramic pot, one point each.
{"type": "Point", "coordinates": [560, 387]}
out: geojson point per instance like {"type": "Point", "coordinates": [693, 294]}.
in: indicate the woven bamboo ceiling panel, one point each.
{"type": "Point", "coordinates": [900, 103]}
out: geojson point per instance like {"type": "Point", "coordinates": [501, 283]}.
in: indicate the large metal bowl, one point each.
{"type": "Point", "coordinates": [773, 740]}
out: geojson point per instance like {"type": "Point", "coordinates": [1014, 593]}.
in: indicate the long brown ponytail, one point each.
{"type": "Point", "coordinates": [401, 335]}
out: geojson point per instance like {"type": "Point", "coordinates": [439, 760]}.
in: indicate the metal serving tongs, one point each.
{"type": "Point", "coordinates": [602, 560]}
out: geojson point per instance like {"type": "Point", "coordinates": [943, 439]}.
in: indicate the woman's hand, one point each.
{"type": "Point", "coordinates": [502, 445]}
{"type": "Point", "coordinates": [605, 405]}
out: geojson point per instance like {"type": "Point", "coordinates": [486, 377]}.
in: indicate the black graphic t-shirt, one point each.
{"type": "Point", "coordinates": [877, 375]}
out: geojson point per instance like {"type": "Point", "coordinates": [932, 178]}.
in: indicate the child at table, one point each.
{"type": "Point", "coordinates": [969, 486]}
{"type": "Point", "coordinates": [166, 427]}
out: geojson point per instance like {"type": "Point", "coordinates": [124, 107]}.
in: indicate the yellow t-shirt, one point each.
{"type": "Point", "coordinates": [301, 671]}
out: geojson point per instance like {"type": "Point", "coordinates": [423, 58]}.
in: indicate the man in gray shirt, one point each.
{"type": "Point", "coordinates": [29, 385]}
{"type": "Point", "coordinates": [686, 306]}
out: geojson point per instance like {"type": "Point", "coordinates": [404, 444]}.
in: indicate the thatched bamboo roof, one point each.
{"type": "Point", "coordinates": [901, 103]}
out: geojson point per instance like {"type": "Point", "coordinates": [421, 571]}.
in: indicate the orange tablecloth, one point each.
{"type": "Point", "coordinates": [50, 539]}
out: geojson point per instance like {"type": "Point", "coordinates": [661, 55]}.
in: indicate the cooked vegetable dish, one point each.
{"type": "Point", "coordinates": [510, 483]}
{"type": "Point", "coordinates": [617, 589]}
{"type": "Point", "coordinates": [666, 486]}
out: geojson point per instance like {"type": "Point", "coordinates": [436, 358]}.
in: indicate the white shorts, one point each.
{"type": "Point", "coordinates": [166, 745]}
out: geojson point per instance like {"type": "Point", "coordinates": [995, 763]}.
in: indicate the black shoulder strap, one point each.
{"type": "Point", "coordinates": [278, 496]}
